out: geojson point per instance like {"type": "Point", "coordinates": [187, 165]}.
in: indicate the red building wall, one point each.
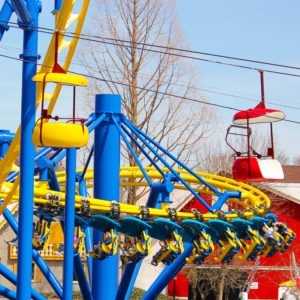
{"type": "Point", "coordinates": [268, 281]}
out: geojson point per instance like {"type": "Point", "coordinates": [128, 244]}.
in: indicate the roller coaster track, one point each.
{"type": "Point", "coordinates": [64, 19]}
{"type": "Point", "coordinates": [250, 196]}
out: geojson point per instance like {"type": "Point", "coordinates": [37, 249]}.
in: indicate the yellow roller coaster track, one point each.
{"type": "Point", "coordinates": [64, 19]}
{"type": "Point", "coordinates": [250, 196]}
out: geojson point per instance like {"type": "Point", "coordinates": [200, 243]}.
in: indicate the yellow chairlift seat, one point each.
{"type": "Point", "coordinates": [61, 78]}
{"type": "Point", "coordinates": [60, 135]}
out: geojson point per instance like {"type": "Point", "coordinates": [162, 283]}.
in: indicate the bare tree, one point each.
{"type": "Point", "coordinates": [216, 279]}
{"type": "Point", "coordinates": [147, 76]}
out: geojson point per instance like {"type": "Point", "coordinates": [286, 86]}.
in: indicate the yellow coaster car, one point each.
{"type": "Point", "coordinates": [254, 248]}
{"type": "Point", "coordinates": [288, 236]}
{"type": "Point", "coordinates": [273, 240]}
{"type": "Point", "coordinates": [107, 247]}
{"type": "Point", "coordinates": [202, 248]}
{"type": "Point", "coordinates": [229, 247]}
{"type": "Point", "coordinates": [170, 249]}
{"type": "Point", "coordinates": [41, 234]}
{"type": "Point", "coordinates": [140, 249]}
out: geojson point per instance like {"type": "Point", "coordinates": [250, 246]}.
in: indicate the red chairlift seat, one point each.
{"type": "Point", "coordinates": [259, 114]}
{"type": "Point", "coordinates": [251, 166]}
{"type": "Point", "coordinates": [253, 169]}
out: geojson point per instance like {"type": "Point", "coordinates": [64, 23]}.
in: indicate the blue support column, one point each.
{"type": "Point", "coordinates": [30, 57]}
{"type": "Point", "coordinates": [167, 274]}
{"type": "Point", "coordinates": [106, 186]}
{"type": "Point", "coordinates": [69, 225]}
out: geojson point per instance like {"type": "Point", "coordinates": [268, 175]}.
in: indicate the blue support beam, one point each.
{"type": "Point", "coordinates": [6, 138]}
{"type": "Point", "coordinates": [24, 15]}
{"type": "Point", "coordinates": [160, 189]}
{"type": "Point", "coordinates": [106, 186]}
{"type": "Point", "coordinates": [128, 280]}
{"type": "Point", "coordinates": [224, 197]}
{"type": "Point", "coordinates": [9, 294]}
{"type": "Point", "coordinates": [36, 257]}
{"type": "Point", "coordinates": [30, 57]}
{"type": "Point", "coordinates": [69, 225]}
{"type": "Point", "coordinates": [167, 274]}
{"type": "Point", "coordinates": [5, 14]}
{"type": "Point", "coordinates": [12, 277]}
{"type": "Point", "coordinates": [57, 6]}
{"type": "Point", "coordinates": [83, 283]}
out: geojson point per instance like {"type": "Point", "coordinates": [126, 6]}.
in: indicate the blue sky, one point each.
{"type": "Point", "coordinates": [261, 30]}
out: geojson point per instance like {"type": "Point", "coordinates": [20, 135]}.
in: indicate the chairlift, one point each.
{"type": "Point", "coordinates": [252, 166]}
{"type": "Point", "coordinates": [70, 134]}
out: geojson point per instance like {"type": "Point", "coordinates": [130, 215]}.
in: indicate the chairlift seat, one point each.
{"type": "Point", "coordinates": [60, 135]}
{"type": "Point", "coordinates": [258, 115]}
{"type": "Point", "coordinates": [253, 169]}
{"type": "Point", "coordinates": [61, 78]}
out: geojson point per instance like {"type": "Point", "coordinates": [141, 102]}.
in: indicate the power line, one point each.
{"type": "Point", "coordinates": [148, 90]}
{"type": "Point", "coordinates": [177, 84]}
{"type": "Point", "coordinates": [221, 92]}
{"type": "Point", "coordinates": [99, 39]}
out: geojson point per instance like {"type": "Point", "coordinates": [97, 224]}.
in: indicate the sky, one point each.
{"type": "Point", "coordinates": [259, 30]}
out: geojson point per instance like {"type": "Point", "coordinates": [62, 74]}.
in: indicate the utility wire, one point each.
{"type": "Point", "coordinates": [146, 89]}
{"type": "Point", "coordinates": [221, 92]}
{"type": "Point", "coordinates": [116, 42]}
{"type": "Point", "coordinates": [201, 89]}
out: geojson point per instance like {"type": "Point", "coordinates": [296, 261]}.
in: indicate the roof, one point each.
{"type": "Point", "coordinates": [291, 174]}
{"type": "Point", "coordinates": [289, 191]}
